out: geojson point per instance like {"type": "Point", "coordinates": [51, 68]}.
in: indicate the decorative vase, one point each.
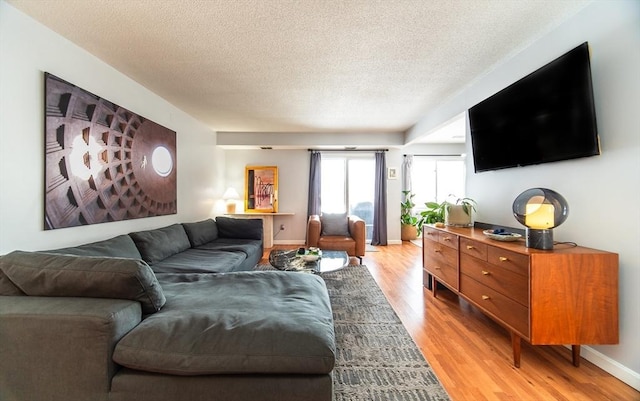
{"type": "Point", "coordinates": [455, 216]}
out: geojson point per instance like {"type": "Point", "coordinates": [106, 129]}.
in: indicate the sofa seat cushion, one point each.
{"type": "Point", "coordinates": [248, 246]}
{"type": "Point", "coordinates": [235, 323]}
{"type": "Point", "coordinates": [156, 245]}
{"type": "Point", "coordinates": [56, 275]}
{"type": "Point", "coordinates": [200, 261]}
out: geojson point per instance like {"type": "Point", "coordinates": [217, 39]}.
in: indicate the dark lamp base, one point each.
{"type": "Point", "coordinates": [539, 239]}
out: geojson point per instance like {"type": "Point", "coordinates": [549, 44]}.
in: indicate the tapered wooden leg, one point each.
{"type": "Point", "coordinates": [515, 344]}
{"type": "Point", "coordinates": [434, 286]}
{"type": "Point", "coordinates": [575, 354]}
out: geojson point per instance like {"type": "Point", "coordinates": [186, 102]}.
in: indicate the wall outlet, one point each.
{"type": "Point", "coordinates": [282, 227]}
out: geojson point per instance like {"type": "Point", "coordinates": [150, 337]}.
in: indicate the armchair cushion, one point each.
{"type": "Point", "coordinates": [334, 224]}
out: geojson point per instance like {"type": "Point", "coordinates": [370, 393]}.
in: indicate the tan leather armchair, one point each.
{"type": "Point", "coordinates": [354, 244]}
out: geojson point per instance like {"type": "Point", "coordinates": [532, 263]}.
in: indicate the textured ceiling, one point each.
{"type": "Point", "coordinates": [303, 65]}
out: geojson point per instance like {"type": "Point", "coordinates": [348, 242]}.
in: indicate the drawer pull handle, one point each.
{"type": "Point", "coordinates": [437, 268]}
{"type": "Point", "coordinates": [503, 259]}
{"type": "Point", "coordinates": [486, 297]}
{"type": "Point", "coordinates": [446, 239]}
{"type": "Point", "coordinates": [486, 273]}
{"type": "Point", "coordinates": [437, 250]}
{"type": "Point", "coordinates": [470, 247]}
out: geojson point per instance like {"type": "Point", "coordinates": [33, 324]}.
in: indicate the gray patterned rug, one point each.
{"type": "Point", "coordinates": [376, 357]}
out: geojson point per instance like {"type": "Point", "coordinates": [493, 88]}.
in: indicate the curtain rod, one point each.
{"type": "Point", "coordinates": [348, 150]}
{"type": "Point", "coordinates": [443, 154]}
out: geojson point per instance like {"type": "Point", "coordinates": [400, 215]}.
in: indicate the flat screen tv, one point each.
{"type": "Point", "coordinates": [547, 116]}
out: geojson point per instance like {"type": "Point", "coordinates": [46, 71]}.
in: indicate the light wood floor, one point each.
{"type": "Point", "coordinates": [470, 354]}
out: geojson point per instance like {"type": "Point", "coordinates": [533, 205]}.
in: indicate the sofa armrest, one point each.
{"type": "Point", "coordinates": [313, 230]}
{"type": "Point", "coordinates": [358, 232]}
{"type": "Point", "coordinates": [58, 348]}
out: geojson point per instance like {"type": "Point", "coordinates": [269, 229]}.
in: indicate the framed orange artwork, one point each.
{"type": "Point", "coordinates": [261, 189]}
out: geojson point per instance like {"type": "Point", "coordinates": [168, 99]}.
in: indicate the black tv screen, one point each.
{"type": "Point", "coordinates": [547, 116]}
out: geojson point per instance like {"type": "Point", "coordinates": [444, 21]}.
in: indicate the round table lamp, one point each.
{"type": "Point", "coordinates": [540, 209]}
{"type": "Point", "coordinates": [230, 196]}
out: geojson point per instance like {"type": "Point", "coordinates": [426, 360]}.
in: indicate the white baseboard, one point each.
{"type": "Point", "coordinates": [288, 242]}
{"type": "Point", "coordinates": [611, 366]}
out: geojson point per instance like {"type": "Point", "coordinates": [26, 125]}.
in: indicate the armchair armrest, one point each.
{"type": "Point", "coordinates": [313, 230]}
{"type": "Point", "coordinates": [358, 232]}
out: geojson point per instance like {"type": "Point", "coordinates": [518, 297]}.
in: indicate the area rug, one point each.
{"type": "Point", "coordinates": [376, 358]}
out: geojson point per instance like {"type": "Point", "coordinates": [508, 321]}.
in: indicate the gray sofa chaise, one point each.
{"type": "Point", "coordinates": [145, 317]}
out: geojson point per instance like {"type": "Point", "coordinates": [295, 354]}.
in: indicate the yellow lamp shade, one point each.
{"type": "Point", "coordinates": [539, 216]}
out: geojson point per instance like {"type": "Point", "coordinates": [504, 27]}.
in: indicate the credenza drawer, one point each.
{"type": "Point", "coordinates": [505, 281]}
{"type": "Point", "coordinates": [503, 308]}
{"type": "Point", "coordinates": [449, 240]}
{"type": "Point", "coordinates": [429, 234]}
{"type": "Point", "coordinates": [473, 248]}
{"type": "Point", "coordinates": [513, 261]}
{"type": "Point", "coordinates": [442, 262]}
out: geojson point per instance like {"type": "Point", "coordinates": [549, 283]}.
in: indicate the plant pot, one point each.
{"type": "Point", "coordinates": [408, 232]}
{"type": "Point", "coordinates": [455, 216]}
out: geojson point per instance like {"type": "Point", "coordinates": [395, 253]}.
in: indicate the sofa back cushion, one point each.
{"type": "Point", "coordinates": [121, 246]}
{"type": "Point", "coordinates": [156, 245]}
{"type": "Point", "coordinates": [201, 232]}
{"type": "Point", "coordinates": [57, 275]}
{"type": "Point", "coordinates": [229, 227]}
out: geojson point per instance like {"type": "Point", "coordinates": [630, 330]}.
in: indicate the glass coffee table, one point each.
{"type": "Point", "coordinates": [290, 260]}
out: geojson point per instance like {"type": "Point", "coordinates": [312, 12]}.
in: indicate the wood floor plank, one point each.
{"type": "Point", "coordinates": [471, 354]}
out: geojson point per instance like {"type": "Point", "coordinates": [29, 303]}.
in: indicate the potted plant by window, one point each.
{"type": "Point", "coordinates": [408, 221]}
{"type": "Point", "coordinates": [459, 213]}
{"type": "Point", "coordinates": [434, 213]}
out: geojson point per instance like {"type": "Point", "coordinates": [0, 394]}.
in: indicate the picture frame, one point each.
{"type": "Point", "coordinates": [261, 189]}
{"type": "Point", "coordinates": [392, 173]}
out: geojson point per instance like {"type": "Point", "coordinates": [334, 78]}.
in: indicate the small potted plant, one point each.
{"type": "Point", "coordinates": [459, 213]}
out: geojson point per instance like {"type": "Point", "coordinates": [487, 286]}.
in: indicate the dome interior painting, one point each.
{"type": "Point", "coordinates": [103, 162]}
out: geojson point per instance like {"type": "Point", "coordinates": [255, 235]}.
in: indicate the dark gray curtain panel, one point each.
{"type": "Point", "coordinates": [379, 236]}
{"type": "Point", "coordinates": [313, 203]}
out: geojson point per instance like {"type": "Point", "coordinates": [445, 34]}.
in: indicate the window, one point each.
{"type": "Point", "coordinates": [434, 178]}
{"type": "Point", "coordinates": [348, 185]}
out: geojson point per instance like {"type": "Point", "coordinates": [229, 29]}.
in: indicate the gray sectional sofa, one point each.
{"type": "Point", "coordinates": [175, 313]}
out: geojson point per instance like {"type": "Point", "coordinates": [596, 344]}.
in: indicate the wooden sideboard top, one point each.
{"type": "Point", "coordinates": [515, 246]}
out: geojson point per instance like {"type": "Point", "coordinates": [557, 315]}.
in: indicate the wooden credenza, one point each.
{"type": "Point", "coordinates": [568, 295]}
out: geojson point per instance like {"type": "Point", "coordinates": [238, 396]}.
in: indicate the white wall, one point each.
{"type": "Point", "coordinates": [27, 50]}
{"type": "Point", "coordinates": [293, 187]}
{"type": "Point", "coordinates": [602, 191]}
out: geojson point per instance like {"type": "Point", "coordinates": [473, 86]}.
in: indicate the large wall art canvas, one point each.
{"type": "Point", "coordinates": [103, 163]}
